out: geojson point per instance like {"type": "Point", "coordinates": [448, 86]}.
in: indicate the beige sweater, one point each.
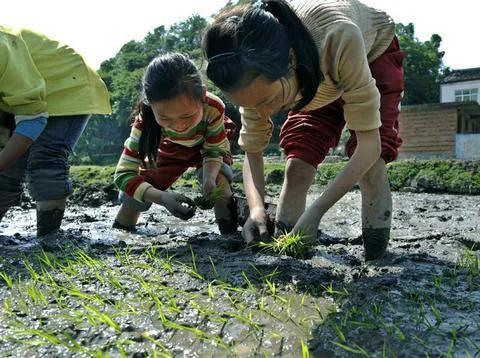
{"type": "Point", "coordinates": [349, 35]}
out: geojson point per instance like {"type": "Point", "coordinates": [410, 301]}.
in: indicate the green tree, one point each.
{"type": "Point", "coordinates": [122, 74]}
{"type": "Point", "coordinates": [424, 69]}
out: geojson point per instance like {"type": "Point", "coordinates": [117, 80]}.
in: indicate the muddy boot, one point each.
{"type": "Point", "coordinates": [375, 242]}
{"type": "Point", "coordinates": [3, 211]}
{"type": "Point", "coordinates": [49, 216]}
{"type": "Point", "coordinates": [230, 225]}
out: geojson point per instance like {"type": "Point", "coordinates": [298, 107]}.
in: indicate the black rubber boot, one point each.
{"type": "Point", "coordinates": [3, 211]}
{"type": "Point", "coordinates": [375, 242]}
{"type": "Point", "coordinates": [49, 220]}
{"type": "Point", "coordinates": [229, 226]}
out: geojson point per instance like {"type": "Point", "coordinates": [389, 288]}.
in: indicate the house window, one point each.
{"type": "Point", "coordinates": [466, 95]}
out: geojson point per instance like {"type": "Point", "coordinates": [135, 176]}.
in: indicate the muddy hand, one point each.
{"type": "Point", "coordinates": [179, 205]}
{"type": "Point", "coordinates": [307, 225]}
{"type": "Point", "coordinates": [255, 227]}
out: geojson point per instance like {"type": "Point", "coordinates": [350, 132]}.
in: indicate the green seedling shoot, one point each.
{"type": "Point", "coordinates": [291, 244]}
{"type": "Point", "coordinates": [208, 202]}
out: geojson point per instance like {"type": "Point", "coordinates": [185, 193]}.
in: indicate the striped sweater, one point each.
{"type": "Point", "coordinates": [209, 133]}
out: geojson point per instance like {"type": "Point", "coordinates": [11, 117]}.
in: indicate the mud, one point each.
{"type": "Point", "coordinates": [422, 297]}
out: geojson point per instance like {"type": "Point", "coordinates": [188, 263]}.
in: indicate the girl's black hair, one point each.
{"type": "Point", "coordinates": [248, 41]}
{"type": "Point", "coordinates": [167, 76]}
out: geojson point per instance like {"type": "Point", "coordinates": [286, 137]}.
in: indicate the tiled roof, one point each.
{"type": "Point", "coordinates": [467, 74]}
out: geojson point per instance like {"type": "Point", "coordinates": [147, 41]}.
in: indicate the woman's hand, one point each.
{"type": "Point", "coordinates": [308, 223]}
{"type": "Point", "coordinates": [256, 226]}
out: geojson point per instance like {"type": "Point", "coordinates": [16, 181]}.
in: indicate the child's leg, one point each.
{"type": "Point", "coordinates": [129, 212]}
{"type": "Point", "coordinates": [126, 218]}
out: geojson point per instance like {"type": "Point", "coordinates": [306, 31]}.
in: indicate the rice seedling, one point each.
{"type": "Point", "coordinates": [190, 270]}
{"type": "Point", "coordinates": [214, 268]}
{"type": "Point", "coordinates": [7, 279]}
{"type": "Point", "coordinates": [249, 284]}
{"type": "Point", "coordinates": [356, 349]}
{"type": "Point", "coordinates": [211, 294]}
{"type": "Point", "coordinates": [290, 244]}
{"type": "Point", "coordinates": [164, 351]}
{"type": "Point", "coordinates": [33, 274]}
{"type": "Point", "coordinates": [305, 351]}
{"type": "Point", "coordinates": [209, 202]}
{"type": "Point", "coordinates": [94, 315]}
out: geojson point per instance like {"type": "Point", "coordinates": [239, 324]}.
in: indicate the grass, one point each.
{"type": "Point", "coordinates": [443, 176]}
{"type": "Point", "coordinates": [92, 174]}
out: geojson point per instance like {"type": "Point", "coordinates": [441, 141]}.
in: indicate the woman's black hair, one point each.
{"type": "Point", "coordinates": [248, 41]}
{"type": "Point", "coordinates": [167, 76]}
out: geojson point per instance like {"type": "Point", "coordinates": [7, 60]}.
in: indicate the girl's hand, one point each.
{"type": "Point", "coordinates": [178, 205]}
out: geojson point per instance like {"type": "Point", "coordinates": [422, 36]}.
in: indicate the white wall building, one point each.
{"type": "Point", "coordinates": [464, 86]}
{"type": "Point", "coordinates": [461, 86]}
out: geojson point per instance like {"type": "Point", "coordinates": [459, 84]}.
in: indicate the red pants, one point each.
{"type": "Point", "coordinates": [309, 135]}
{"type": "Point", "coordinates": [174, 159]}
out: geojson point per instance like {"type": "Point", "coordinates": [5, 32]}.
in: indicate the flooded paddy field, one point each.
{"type": "Point", "coordinates": [180, 289]}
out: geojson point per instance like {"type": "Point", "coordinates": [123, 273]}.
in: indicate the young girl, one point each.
{"type": "Point", "coordinates": [47, 94]}
{"type": "Point", "coordinates": [330, 62]}
{"type": "Point", "coordinates": [176, 125]}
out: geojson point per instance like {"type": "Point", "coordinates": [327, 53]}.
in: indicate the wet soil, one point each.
{"type": "Point", "coordinates": [422, 297]}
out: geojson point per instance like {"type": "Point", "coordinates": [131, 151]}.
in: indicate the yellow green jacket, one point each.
{"type": "Point", "coordinates": [39, 75]}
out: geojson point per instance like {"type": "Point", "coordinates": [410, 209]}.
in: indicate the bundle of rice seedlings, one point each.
{"type": "Point", "coordinates": [291, 244]}
{"type": "Point", "coordinates": [212, 198]}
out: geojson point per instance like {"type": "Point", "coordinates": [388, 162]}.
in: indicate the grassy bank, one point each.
{"type": "Point", "coordinates": [436, 176]}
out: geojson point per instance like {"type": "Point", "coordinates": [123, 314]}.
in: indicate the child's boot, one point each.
{"type": "Point", "coordinates": [49, 215]}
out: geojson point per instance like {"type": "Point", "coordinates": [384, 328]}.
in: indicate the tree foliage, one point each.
{"type": "Point", "coordinates": [424, 69]}
{"type": "Point", "coordinates": [104, 136]}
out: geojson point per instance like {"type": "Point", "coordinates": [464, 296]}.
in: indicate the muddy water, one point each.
{"type": "Point", "coordinates": [423, 295]}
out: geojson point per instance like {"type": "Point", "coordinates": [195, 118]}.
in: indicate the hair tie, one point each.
{"type": "Point", "coordinates": [222, 56]}
{"type": "Point", "coordinates": [259, 4]}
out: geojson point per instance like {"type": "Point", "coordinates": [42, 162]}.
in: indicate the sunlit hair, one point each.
{"type": "Point", "coordinates": [248, 41]}
{"type": "Point", "coordinates": [166, 77]}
